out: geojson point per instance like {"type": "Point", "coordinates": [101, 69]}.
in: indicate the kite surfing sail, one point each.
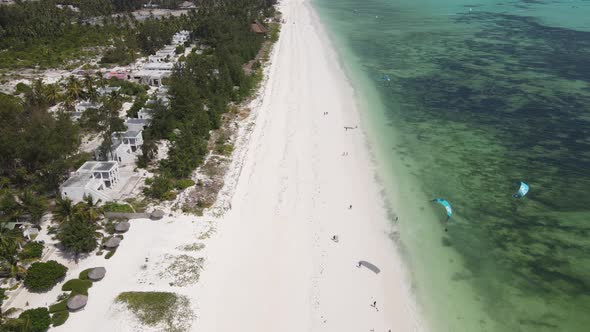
{"type": "Point", "coordinates": [446, 205]}
{"type": "Point", "coordinates": [522, 190]}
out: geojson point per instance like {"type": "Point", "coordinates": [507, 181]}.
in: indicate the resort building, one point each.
{"type": "Point", "coordinates": [107, 90]}
{"type": "Point", "coordinates": [125, 149]}
{"type": "Point", "coordinates": [76, 116]}
{"type": "Point", "coordinates": [91, 179]}
{"type": "Point", "coordinates": [158, 58]}
{"type": "Point", "coordinates": [180, 37]}
{"type": "Point", "coordinates": [137, 124]}
{"type": "Point", "coordinates": [153, 73]}
{"type": "Point", "coordinates": [84, 105]}
{"type": "Point", "coordinates": [145, 113]}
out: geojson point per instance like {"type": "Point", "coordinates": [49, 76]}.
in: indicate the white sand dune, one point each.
{"type": "Point", "coordinates": [270, 265]}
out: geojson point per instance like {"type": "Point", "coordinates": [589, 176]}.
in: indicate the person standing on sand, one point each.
{"type": "Point", "coordinates": [350, 207]}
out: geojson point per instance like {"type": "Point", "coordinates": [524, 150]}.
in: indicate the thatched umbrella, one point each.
{"type": "Point", "coordinates": [122, 226]}
{"type": "Point", "coordinates": [157, 214]}
{"type": "Point", "coordinates": [77, 302]}
{"type": "Point", "coordinates": [112, 243]}
{"type": "Point", "coordinates": [97, 273]}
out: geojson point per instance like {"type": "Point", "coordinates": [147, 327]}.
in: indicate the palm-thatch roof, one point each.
{"type": "Point", "coordinates": [122, 226]}
{"type": "Point", "coordinates": [97, 273]}
{"type": "Point", "coordinates": [157, 214]}
{"type": "Point", "coordinates": [77, 302]}
{"type": "Point", "coordinates": [112, 242]}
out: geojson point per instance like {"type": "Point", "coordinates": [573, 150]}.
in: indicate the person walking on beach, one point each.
{"type": "Point", "coordinates": [350, 207]}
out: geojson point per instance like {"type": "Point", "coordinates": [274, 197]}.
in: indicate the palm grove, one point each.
{"type": "Point", "coordinates": [38, 148]}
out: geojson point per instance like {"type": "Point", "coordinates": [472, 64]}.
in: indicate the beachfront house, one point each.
{"type": "Point", "coordinates": [76, 116]}
{"type": "Point", "coordinates": [125, 148]}
{"type": "Point", "coordinates": [91, 179]}
{"type": "Point", "coordinates": [153, 73]}
{"type": "Point", "coordinates": [107, 90]}
{"type": "Point", "coordinates": [180, 37]}
{"type": "Point", "coordinates": [84, 105]}
{"type": "Point", "coordinates": [137, 124]}
{"type": "Point", "coordinates": [145, 113]}
{"type": "Point", "coordinates": [158, 58]}
{"type": "Point", "coordinates": [122, 75]}
{"type": "Point", "coordinates": [131, 138]}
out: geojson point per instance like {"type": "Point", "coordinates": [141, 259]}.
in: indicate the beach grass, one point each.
{"type": "Point", "coordinates": [158, 309]}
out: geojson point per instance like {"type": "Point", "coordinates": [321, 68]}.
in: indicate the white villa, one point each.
{"type": "Point", "coordinates": [152, 73]}
{"type": "Point", "coordinates": [157, 58]}
{"type": "Point", "coordinates": [180, 37]}
{"type": "Point", "coordinates": [134, 124]}
{"type": "Point", "coordinates": [107, 90]}
{"type": "Point", "coordinates": [126, 146]}
{"type": "Point", "coordinates": [145, 113]}
{"type": "Point", "coordinates": [84, 105]}
{"type": "Point", "coordinates": [91, 179]}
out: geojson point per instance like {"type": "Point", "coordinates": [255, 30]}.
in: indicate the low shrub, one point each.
{"type": "Point", "coordinates": [59, 318]}
{"type": "Point", "coordinates": [77, 286]}
{"type": "Point", "coordinates": [116, 207]}
{"type": "Point", "coordinates": [84, 274]}
{"type": "Point", "coordinates": [110, 253]}
{"type": "Point", "coordinates": [32, 250]}
{"type": "Point", "coordinates": [183, 184]}
{"type": "Point", "coordinates": [39, 319]}
{"type": "Point", "coordinates": [59, 306]}
{"type": "Point", "coordinates": [43, 276]}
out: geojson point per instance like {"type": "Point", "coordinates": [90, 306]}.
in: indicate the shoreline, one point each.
{"type": "Point", "coordinates": [269, 261]}
{"type": "Point", "coordinates": [334, 315]}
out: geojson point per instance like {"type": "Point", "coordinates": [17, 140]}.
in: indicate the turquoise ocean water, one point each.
{"type": "Point", "coordinates": [480, 94]}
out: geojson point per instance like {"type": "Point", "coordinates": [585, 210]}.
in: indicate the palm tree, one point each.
{"type": "Point", "coordinates": [73, 88]}
{"type": "Point", "coordinates": [35, 205]}
{"type": "Point", "coordinates": [52, 94]}
{"type": "Point", "coordinates": [8, 245]}
{"type": "Point", "coordinates": [64, 210]}
{"type": "Point", "coordinates": [90, 91]}
{"type": "Point", "coordinates": [88, 209]}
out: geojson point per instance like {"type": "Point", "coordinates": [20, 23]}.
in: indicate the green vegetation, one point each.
{"type": "Point", "coordinates": [201, 90]}
{"type": "Point", "coordinates": [77, 286]}
{"type": "Point", "coordinates": [116, 207]}
{"type": "Point", "coordinates": [43, 276]}
{"type": "Point", "coordinates": [59, 306]}
{"type": "Point", "coordinates": [153, 308]}
{"type": "Point", "coordinates": [59, 318]}
{"type": "Point", "coordinates": [31, 250]}
{"type": "Point", "coordinates": [78, 236]}
{"type": "Point", "coordinates": [38, 319]}
{"type": "Point", "coordinates": [183, 184]}
{"type": "Point", "coordinates": [110, 253]}
{"type": "Point", "coordinates": [38, 33]}
{"type": "Point", "coordinates": [84, 274]}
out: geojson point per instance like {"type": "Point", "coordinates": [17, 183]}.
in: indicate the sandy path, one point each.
{"type": "Point", "coordinates": [272, 265]}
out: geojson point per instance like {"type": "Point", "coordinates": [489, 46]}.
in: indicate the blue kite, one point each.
{"type": "Point", "coordinates": [446, 205]}
{"type": "Point", "coordinates": [522, 190]}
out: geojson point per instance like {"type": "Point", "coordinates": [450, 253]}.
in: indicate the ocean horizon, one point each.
{"type": "Point", "coordinates": [463, 100]}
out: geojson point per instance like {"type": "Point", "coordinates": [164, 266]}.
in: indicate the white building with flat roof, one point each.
{"type": "Point", "coordinates": [91, 179]}
{"type": "Point", "coordinates": [137, 124]}
{"type": "Point", "coordinates": [84, 105]}
{"type": "Point", "coordinates": [145, 113]}
{"type": "Point", "coordinates": [126, 147]}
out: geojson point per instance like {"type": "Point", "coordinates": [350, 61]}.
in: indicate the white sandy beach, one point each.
{"type": "Point", "coordinates": [271, 265]}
